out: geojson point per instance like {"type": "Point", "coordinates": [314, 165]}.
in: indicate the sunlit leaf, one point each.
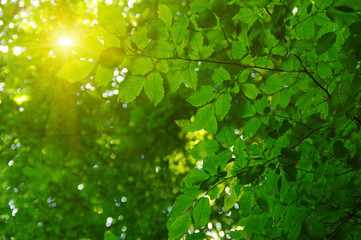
{"type": "Point", "coordinates": [226, 136]}
{"type": "Point", "coordinates": [182, 203]}
{"type": "Point", "coordinates": [251, 127]}
{"type": "Point", "coordinates": [202, 96]}
{"type": "Point", "coordinates": [222, 105]}
{"type": "Point", "coordinates": [230, 200]}
{"type": "Point", "coordinates": [201, 213]}
{"type": "Point", "coordinates": [205, 119]}
{"type": "Point", "coordinates": [75, 70]}
{"type": "Point", "coordinates": [205, 149]}
{"type": "Point", "coordinates": [220, 75]}
{"type": "Point", "coordinates": [250, 90]}
{"type": "Point", "coordinates": [131, 87]}
{"type": "Point", "coordinates": [179, 226]}
{"type": "Point", "coordinates": [195, 176]}
{"type": "Point", "coordinates": [165, 14]}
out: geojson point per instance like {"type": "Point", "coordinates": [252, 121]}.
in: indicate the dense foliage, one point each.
{"type": "Point", "coordinates": [195, 119]}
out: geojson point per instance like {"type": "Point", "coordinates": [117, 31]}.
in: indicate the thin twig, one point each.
{"type": "Point", "coordinates": [312, 77]}
{"type": "Point", "coordinates": [211, 61]}
{"type": "Point", "coordinates": [305, 137]}
{"type": "Point", "coordinates": [268, 11]}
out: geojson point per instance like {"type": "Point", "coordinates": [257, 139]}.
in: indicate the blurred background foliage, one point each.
{"type": "Point", "coordinates": [74, 161]}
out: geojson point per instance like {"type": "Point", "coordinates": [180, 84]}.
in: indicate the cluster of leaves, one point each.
{"type": "Point", "coordinates": [275, 87]}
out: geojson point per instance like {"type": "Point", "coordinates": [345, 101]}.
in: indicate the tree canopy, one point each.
{"type": "Point", "coordinates": [167, 119]}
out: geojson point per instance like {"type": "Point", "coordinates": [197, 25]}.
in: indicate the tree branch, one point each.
{"type": "Point", "coordinates": [312, 77]}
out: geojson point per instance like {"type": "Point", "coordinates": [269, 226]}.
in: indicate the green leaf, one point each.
{"type": "Point", "coordinates": [224, 157]}
{"type": "Point", "coordinates": [206, 19]}
{"type": "Point", "coordinates": [185, 125]}
{"type": "Point", "coordinates": [254, 225]}
{"type": "Point", "coordinates": [294, 232]}
{"type": "Point", "coordinates": [205, 119]}
{"type": "Point", "coordinates": [321, 5]}
{"type": "Point", "coordinates": [315, 228]}
{"type": "Point", "coordinates": [140, 38]}
{"type": "Point", "coordinates": [261, 104]}
{"type": "Point", "coordinates": [182, 203]}
{"type": "Point", "coordinates": [263, 204]}
{"type": "Point", "coordinates": [163, 66]}
{"type": "Point", "coordinates": [291, 173]}
{"type": "Point", "coordinates": [110, 236]}
{"type": "Point", "coordinates": [252, 174]}
{"type": "Point", "coordinates": [103, 76]}
{"type": "Point", "coordinates": [306, 30]}
{"type": "Point", "coordinates": [197, 236]}
{"type": "Point", "coordinates": [240, 234]}
{"type": "Point", "coordinates": [285, 98]}
{"type": "Point", "coordinates": [222, 105]}
{"type": "Point", "coordinates": [196, 42]}
{"type": "Point", "coordinates": [111, 19]}
{"type": "Point", "coordinates": [204, 149]}
{"type": "Point", "coordinates": [273, 84]}
{"type": "Point", "coordinates": [111, 57]}
{"type": "Point", "coordinates": [246, 109]}
{"type": "Point", "coordinates": [214, 193]}
{"type": "Point", "coordinates": [179, 30]}
{"type": "Point", "coordinates": [281, 142]}
{"type": "Point", "coordinates": [165, 14]}
{"type": "Point", "coordinates": [226, 137]}
{"type": "Point", "coordinates": [216, 37]}
{"type": "Point", "coordinates": [202, 96]}
{"type": "Point", "coordinates": [209, 182]}
{"type": "Point", "coordinates": [130, 88]}
{"type": "Point", "coordinates": [190, 78]}
{"type": "Point", "coordinates": [230, 200]}
{"type": "Point", "coordinates": [238, 50]}
{"type": "Point", "coordinates": [251, 127]}
{"type": "Point", "coordinates": [343, 15]}
{"type": "Point", "coordinates": [195, 177]}
{"type": "Point", "coordinates": [179, 226]}
{"type": "Point", "coordinates": [324, 70]}
{"type": "Point", "coordinates": [220, 75]}
{"type": "Point", "coordinates": [164, 49]}
{"type": "Point", "coordinates": [153, 87]}
{"type": "Point", "coordinates": [245, 203]}
{"type": "Point", "coordinates": [142, 66]}
{"type": "Point", "coordinates": [211, 164]}
{"type": "Point", "coordinates": [199, 5]}
{"type": "Point", "coordinates": [323, 110]}
{"type": "Point", "coordinates": [206, 51]}
{"type": "Point", "coordinates": [174, 80]}
{"type": "Point", "coordinates": [75, 70]}
{"type": "Point", "coordinates": [289, 156]}
{"type": "Point", "coordinates": [218, 6]}
{"type": "Point", "coordinates": [201, 213]}
{"type": "Point", "coordinates": [250, 90]}
{"type": "Point", "coordinates": [246, 15]}
{"type": "Point", "coordinates": [339, 150]}
{"type": "Point", "coordinates": [239, 146]}
{"type": "Point", "coordinates": [325, 42]}
{"type": "Point", "coordinates": [275, 100]}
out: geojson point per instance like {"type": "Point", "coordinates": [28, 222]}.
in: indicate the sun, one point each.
{"type": "Point", "coordinates": [65, 41]}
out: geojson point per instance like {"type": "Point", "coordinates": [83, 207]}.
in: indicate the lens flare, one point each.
{"type": "Point", "coordinates": [65, 41]}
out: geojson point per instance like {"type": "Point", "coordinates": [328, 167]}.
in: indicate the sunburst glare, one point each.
{"type": "Point", "coordinates": [65, 41]}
